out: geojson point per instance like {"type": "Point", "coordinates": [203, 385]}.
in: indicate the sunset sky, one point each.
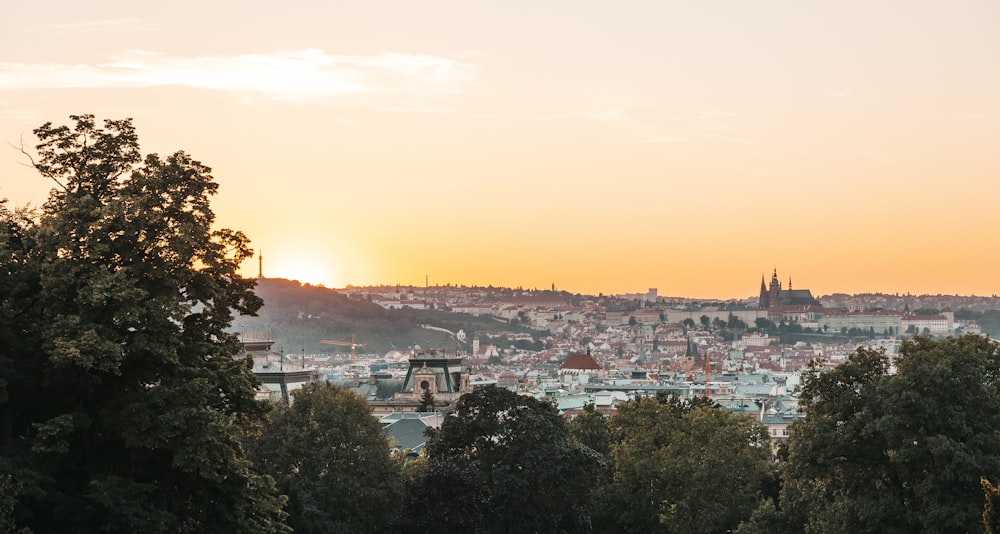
{"type": "Point", "coordinates": [604, 147]}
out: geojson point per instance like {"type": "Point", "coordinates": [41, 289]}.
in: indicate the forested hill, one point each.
{"type": "Point", "coordinates": [300, 315]}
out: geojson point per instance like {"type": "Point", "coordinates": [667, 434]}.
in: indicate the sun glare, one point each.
{"type": "Point", "coordinates": [308, 270]}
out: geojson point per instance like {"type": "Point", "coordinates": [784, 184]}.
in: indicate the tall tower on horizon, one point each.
{"type": "Point", "coordinates": [774, 295]}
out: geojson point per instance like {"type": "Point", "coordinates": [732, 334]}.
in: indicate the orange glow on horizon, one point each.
{"type": "Point", "coordinates": [692, 148]}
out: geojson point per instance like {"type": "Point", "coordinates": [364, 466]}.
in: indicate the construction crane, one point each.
{"type": "Point", "coordinates": [352, 343]}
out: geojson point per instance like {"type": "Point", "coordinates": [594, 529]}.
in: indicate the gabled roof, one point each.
{"type": "Point", "coordinates": [580, 361]}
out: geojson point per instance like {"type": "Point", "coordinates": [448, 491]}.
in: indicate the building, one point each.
{"type": "Point", "coordinates": [439, 372]}
{"type": "Point", "coordinates": [774, 296]}
{"type": "Point", "coordinates": [279, 375]}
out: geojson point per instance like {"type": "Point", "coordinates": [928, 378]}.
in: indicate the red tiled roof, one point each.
{"type": "Point", "coordinates": [580, 361]}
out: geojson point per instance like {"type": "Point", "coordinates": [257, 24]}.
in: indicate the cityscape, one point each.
{"type": "Point", "coordinates": [748, 355]}
{"type": "Point", "coordinates": [549, 267]}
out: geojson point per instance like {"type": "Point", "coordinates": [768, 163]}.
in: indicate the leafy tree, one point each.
{"type": "Point", "coordinates": [683, 466]}
{"type": "Point", "coordinates": [427, 401]}
{"type": "Point", "coordinates": [534, 473]}
{"type": "Point", "coordinates": [705, 321]}
{"type": "Point", "coordinates": [332, 459]}
{"type": "Point", "coordinates": [899, 452]}
{"type": "Point", "coordinates": [445, 497]}
{"type": "Point", "coordinates": [689, 323]}
{"type": "Point", "coordinates": [591, 429]}
{"type": "Point", "coordinates": [121, 405]}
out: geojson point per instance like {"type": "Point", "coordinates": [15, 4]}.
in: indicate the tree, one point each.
{"type": "Point", "coordinates": [121, 404]}
{"type": "Point", "coordinates": [683, 466]}
{"type": "Point", "coordinates": [445, 497]}
{"type": "Point", "coordinates": [688, 323]}
{"type": "Point", "coordinates": [705, 321]}
{"type": "Point", "coordinates": [534, 473]}
{"type": "Point", "coordinates": [591, 429]}
{"type": "Point", "coordinates": [426, 401]}
{"type": "Point", "coordinates": [900, 452]}
{"type": "Point", "coordinates": [332, 459]}
{"type": "Point", "coordinates": [991, 516]}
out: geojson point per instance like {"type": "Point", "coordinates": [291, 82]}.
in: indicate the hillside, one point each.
{"type": "Point", "coordinates": [298, 316]}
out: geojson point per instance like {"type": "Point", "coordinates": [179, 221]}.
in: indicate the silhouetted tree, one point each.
{"type": "Point", "coordinates": [332, 459]}
{"type": "Point", "coordinates": [121, 402]}
{"type": "Point", "coordinates": [536, 476]}
{"type": "Point", "coordinates": [902, 452]}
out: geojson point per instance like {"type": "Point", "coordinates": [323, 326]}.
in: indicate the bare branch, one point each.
{"type": "Point", "coordinates": [34, 165]}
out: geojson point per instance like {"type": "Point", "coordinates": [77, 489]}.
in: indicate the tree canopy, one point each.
{"type": "Point", "coordinates": [121, 405]}
{"type": "Point", "coordinates": [897, 452]}
{"type": "Point", "coordinates": [535, 475]}
{"type": "Point", "coordinates": [330, 456]}
{"type": "Point", "coordinates": [682, 466]}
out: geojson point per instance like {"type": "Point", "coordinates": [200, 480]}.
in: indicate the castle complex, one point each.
{"type": "Point", "coordinates": [774, 296]}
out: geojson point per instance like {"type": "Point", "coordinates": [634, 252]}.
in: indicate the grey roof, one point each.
{"type": "Point", "coordinates": [408, 433]}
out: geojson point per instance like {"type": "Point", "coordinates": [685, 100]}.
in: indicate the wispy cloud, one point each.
{"type": "Point", "coordinates": [119, 24]}
{"type": "Point", "coordinates": [286, 75]}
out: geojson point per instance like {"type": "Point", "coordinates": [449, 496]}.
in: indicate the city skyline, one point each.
{"type": "Point", "coordinates": [601, 148]}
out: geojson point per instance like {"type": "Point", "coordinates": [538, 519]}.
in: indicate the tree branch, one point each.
{"type": "Point", "coordinates": [34, 165]}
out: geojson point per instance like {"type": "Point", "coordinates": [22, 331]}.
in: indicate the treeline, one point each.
{"type": "Point", "coordinates": [988, 321]}
{"type": "Point", "coordinates": [298, 316]}
{"type": "Point", "coordinates": [915, 450]}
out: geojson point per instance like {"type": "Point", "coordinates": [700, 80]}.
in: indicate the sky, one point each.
{"type": "Point", "coordinates": [600, 147]}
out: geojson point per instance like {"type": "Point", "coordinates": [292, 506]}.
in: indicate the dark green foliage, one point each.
{"type": "Point", "coordinates": [332, 459]}
{"type": "Point", "coordinates": [537, 477]}
{"type": "Point", "coordinates": [591, 429]}
{"type": "Point", "coordinates": [445, 496]}
{"type": "Point", "coordinates": [903, 452]}
{"type": "Point", "coordinates": [426, 401]}
{"type": "Point", "coordinates": [121, 405]}
{"type": "Point", "coordinates": [682, 466]}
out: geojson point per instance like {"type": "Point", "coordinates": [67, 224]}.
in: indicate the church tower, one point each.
{"type": "Point", "coordinates": [762, 303]}
{"type": "Point", "coordinates": [769, 296]}
{"type": "Point", "coordinates": [774, 295]}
